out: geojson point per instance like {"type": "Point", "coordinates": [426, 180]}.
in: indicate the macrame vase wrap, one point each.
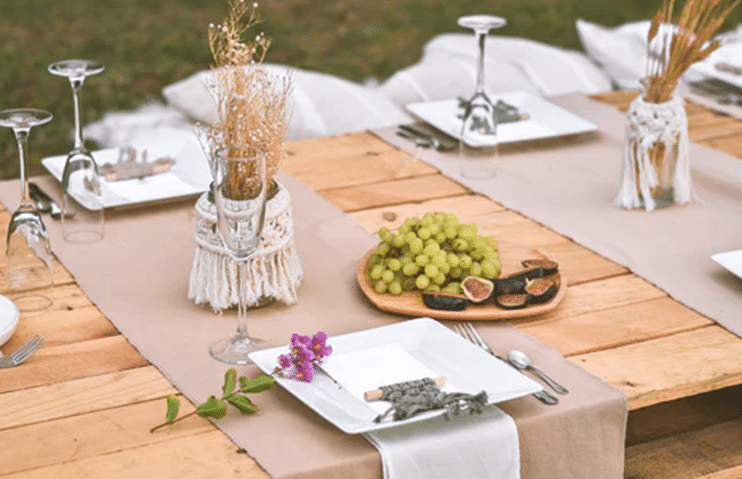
{"type": "Point", "coordinates": [652, 126]}
{"type": "Point", "coordinates": [273, 272]}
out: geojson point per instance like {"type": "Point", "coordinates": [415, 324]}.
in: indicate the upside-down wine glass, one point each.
{"type": "Point", "coordinates": [479, 117]}
{"type": "Point", "coordinates": [240, 195]}
{"type": "Point", "coordinates": [80, 179]}
{"type": "Point", "coordinates": [29, 255]}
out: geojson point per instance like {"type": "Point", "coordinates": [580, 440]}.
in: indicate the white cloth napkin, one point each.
{"type": "Point", "coordinates": [465, 446]}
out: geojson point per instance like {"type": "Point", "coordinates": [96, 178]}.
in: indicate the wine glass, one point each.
{"type": "Point", "coordinates": [80, 179]}
{"type": "Point", "coordinates": [240, 195]}
{"type": "Point", "coordinates": [479, 117]}
{"type": "Point", "coordinates": [29, 255]}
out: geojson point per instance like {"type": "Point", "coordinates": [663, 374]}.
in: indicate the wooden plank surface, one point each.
{"type": "Point", "coordinates": [86, 401]}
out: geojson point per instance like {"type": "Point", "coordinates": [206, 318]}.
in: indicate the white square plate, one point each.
{"type": "Point", "coordinates": [189, 176]}
{"type": "Point", "coordinates": [466, 367]}
{"type": "Point", "coordinates": [546, 120]}
{"type": "Point", "coordinates": [708, 69]}
{"type": "Point", "coordinates": [731, 260]}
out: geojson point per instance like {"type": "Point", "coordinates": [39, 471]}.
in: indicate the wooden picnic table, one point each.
{"type": "Point", "coordinates": [83, 405]}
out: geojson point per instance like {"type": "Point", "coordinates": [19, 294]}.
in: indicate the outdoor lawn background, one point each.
{"type": "Point", "coordinates": [147, 44]}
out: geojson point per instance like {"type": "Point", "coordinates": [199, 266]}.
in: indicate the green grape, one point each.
{"type": "Point", "coordinates": [383, 249]}
{"type": "Point", "coordinates": [385, 234]}
{"type": "Point", "coordinates": [395, 287]}
{"type": "Point", "coordinates": [491, 242]}
{"type": "Point", "coordinates": [453, 220]}
{"type": "Point", "coordinates": [440, 237]}
{"type": "Point", "coordinates": [476, 269]}
{"type": "Point", "coordinates": [394, 264]}
{"type": "Point", "coordinates": [376, 271]}
{"type": "Point", "coordinates": [423, 233]}
{"type": "Point", "coordinates": [466, 233]}
{"type": "Point", "coordinates": [460, 244]}
{"type": "Point", "coordinates": [373, 260]}
{"type": "Point", "coordinates": [387, 276]}
{"type": "Point", "coordinates": [432, 248]}
{"type": "Point", "coordinates": [410, 237]}
{"type": "Point", "coordinates": [422, 259]}
{"type": "Point", "coordinates": [453, 287]}
{"type": "Point", "coordinates": [440, 278]}
{"type": "Point", "coordinates": [427, 219]}
{"type": "Point", "coordinates": [433, 288]}
{"type": "Point", "coordinates": [465, 261]}
{"type": "Point", "coordinates": [398, 241]}
{"type": "Point", "coordinates": [434, 228]}
{"type": "Point", "coordinates": [431, 270]}
{"type": "Point", "coordinates": [380, 287]}
{"type": "Point", "coordinates": [422, 282]}
{"type": "Point", "coordinates": [456, 273]}
{"type": "Point", "coordinates": [416, 246]}
{"type": "Point", "coordinates": [450, 232]}
{"type": "Point", "coordinates": [476, 254]}
{"type": "Point", "coordinates": [452, 260]}
{"type": "Point", "coordinates": [410, 269]}
{"type": "Point", "coordinates": [403, 230]}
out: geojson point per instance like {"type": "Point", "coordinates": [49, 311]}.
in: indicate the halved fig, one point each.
{"type": "Point", "coordinates": [445, 302]}
{"type": "Point", "coordinates": [541, 290]}
{"type": "Point", "coordinates": [477, 289]}
{"type": "Point", "coordinates": [550, 266]}
{"type": "Point", "coordinates": [509, 286]}
{"type": "Point", "coordinates": [513, 301]}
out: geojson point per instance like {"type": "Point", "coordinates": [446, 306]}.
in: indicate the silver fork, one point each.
{"type": "Point", "coordinates": [467, 331]}
{"type": "Point", "coordinates": [22, 353]}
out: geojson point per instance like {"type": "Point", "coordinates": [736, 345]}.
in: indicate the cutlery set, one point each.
{"type": "Point", "coordinates": [516, 359]}
{"type": "Point", "coordinates": [426, 139]}
{"type": "Point", "coordinates": [44, 203]}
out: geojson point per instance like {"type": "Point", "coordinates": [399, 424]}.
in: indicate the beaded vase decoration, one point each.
{"type": "Point", "coordinates": [273, 272]}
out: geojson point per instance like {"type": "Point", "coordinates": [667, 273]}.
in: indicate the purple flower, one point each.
{"type": "Point", "coordinates": [305, 371]}
{"type": "Point", "coordinates": [285, 360]}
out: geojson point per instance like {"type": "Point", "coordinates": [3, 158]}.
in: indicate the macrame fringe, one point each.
{"type": "Point", "coordinates": [273, 272]}
{"type": "Point", "coordinates": [651, 124]}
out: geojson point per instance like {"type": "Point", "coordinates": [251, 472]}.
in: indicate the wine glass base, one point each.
{"type": "Point", "coordinates": [32, 302]}
{"type": "Point", "coordinates": [83, 236]}
{"type": "Point", "coordinates": [235, 350]}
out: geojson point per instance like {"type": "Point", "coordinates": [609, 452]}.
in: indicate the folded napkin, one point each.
{"type": "Point", "coordinates": [467, 446]}
{"type": "Point", "coordinates": [464, 446]}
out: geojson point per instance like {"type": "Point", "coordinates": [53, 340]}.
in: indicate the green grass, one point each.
{"type": "Point", "coordinates": [147, 44]}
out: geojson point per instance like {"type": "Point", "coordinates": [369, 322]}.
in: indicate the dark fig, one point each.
{"type": "Point", "coordinates": [445, 302]}
{"type": "Point", "coordinates": [541, 290]}
{"type": "Point", "coordinates": [549, 266]}
{"type": "Point", "coordinates": [513, 301]}
{"type": "Point", "coordinates": [477, 289]}
{"type": "Point", "coordinates": [509, 286]}
{"type": "Point", "coordinates": [532, 272]}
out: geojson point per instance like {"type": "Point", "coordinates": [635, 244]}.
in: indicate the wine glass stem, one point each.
{"type": "Point", "coordinates": [481, 38]}
{"type": "Point", "coordinates": [242, 319]}
{"type": "Point", "coordinates": [76, 91]}
{"type": "Point", "coordinates": [21, 135]}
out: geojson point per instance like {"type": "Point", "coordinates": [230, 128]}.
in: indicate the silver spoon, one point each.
{"type": "Point", "coordinates": [521, 360]}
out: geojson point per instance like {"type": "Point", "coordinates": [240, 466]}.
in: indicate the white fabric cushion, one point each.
{"type": "Point", "coordinates": [448, 69]}
{"type": "Point", "coordinates": [621, 51]}
{"type": "Point", "coordinates": [322, 104]}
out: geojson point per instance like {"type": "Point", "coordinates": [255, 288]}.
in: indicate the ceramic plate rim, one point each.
{"type": "Point", "coordinates": [734, 266]}
{"type": "Point", "coordinates": [351, 416]}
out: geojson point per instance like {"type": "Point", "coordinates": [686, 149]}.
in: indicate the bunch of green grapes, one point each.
{"type": "Point", "coordinates": [433, 253]}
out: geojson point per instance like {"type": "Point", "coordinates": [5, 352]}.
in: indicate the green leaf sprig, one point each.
{"type": "Point", "coordinates": [217, 408]}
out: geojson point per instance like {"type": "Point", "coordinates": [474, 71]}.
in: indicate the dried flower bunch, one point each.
{"type": "Point", "coordinates": [252, 104]}
{"type": "Point", "coordinates": [675, 42]}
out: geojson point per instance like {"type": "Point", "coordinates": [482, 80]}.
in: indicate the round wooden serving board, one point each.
{"type": "Point", "coordinates": [410, 303]}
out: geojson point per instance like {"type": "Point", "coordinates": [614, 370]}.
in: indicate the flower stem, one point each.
{"type": "Point", "coordinates": [172, 422]}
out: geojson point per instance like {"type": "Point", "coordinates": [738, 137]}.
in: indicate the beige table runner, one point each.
{"type": "Point", "coordinates": [138, 277]}
{"type": "Point", "coordinates": [569, 184]}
